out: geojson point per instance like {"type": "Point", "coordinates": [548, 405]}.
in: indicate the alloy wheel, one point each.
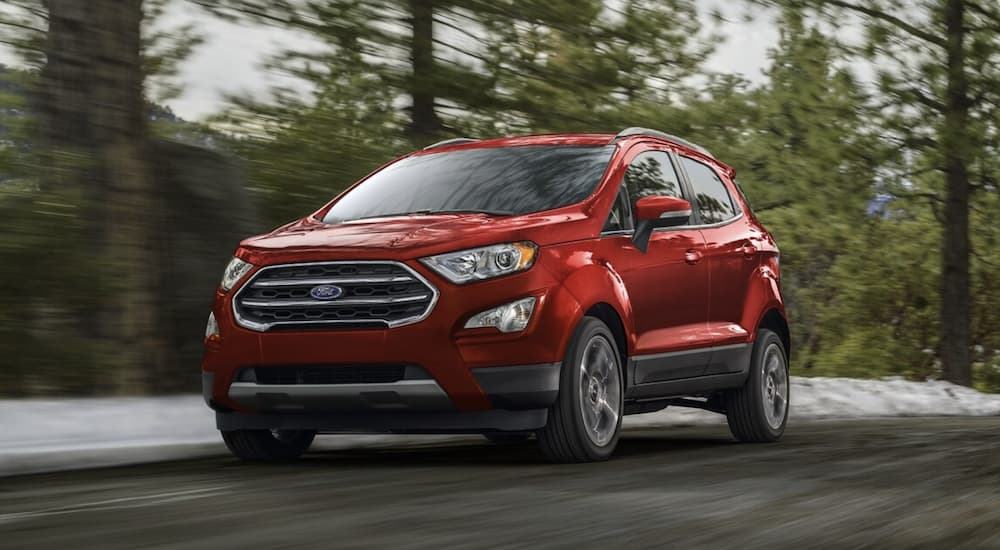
{"type": "Point", "coordinates": [600, 391]}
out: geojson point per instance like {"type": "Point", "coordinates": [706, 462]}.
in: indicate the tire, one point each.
{"type": "Point", "coordinates": [566, 436]}
{"type": "Point", "coordinates": [268, 445]}
{"type": "Point", "coordinates": [758, 412]}
{"type": "Point", "coordinates": [507, 438]}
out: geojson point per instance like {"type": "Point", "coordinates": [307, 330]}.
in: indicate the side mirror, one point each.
{"type": "Point", "coordinates": [655, 212]}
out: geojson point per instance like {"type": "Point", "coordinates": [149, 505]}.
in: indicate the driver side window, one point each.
{"type": "Point", "coordinates": [652, 174]}
{"type": "Point", "coordinates": [649, 174]}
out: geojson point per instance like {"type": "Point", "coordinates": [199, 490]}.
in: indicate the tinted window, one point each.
{"type": "Point", "coordinates": [511, 180]}
{"type": "Point", "coordinates": [714, 203]}
{"type": "Point", "coordinates": [651, 173]}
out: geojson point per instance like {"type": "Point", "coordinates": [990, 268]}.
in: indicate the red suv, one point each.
{"type": "Point", "coordinates": [542, 285]}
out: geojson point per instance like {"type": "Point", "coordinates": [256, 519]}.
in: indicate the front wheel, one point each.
{"type": "Point", "coordinates": [585, 421]}
{"type": "Point", "coordinates": [758, 411]}
{"type": "Point", "coordinates": [267, 445]}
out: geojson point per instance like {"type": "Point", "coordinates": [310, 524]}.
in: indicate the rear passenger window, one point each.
{"type": "Point", "coordinates": [714, 203]}
{"type": "Point", "coordinates": [651, 173]}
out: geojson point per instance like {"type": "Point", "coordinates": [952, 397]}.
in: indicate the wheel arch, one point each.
{"type": "Point", "coordinates": [601, 293]}
{"type": "Point", "coordinates": [764, 307]}
{"type": "Point", "coordinates": [775, 321]}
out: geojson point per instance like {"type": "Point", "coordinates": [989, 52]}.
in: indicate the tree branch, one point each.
{"type": "Point", "coordinates": [21, 45]}
{"type": "Point", "coordinates": [924, 99]}
{"type": "Point", "coordinates": [991, 15]}
{"type": "Point", "coordinates": [21, 26]}
{"type": "Point", "coordinates": [891, 19]}
{"type": "Point", "coordinates": [933, 197]}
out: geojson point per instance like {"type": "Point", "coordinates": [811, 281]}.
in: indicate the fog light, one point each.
{"type": "Point", "coordinates": [212, 328]}
{"type": "Point", "coordinates": [512, 317]}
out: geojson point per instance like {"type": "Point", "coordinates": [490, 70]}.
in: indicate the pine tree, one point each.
{"type": "Point", "coordinates": [397, 42]}
{"type": "Point", "coordinates": [588, 66]}
{"type": "Point", "coordinates": [808, 163]}
{"type": "Point", "coordinates": [85, 230]}
{"type": "Point", "coordinates": [937, 75]}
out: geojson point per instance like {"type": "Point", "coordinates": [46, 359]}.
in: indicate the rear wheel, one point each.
{"type": "Point", "coordinates": [265, 445]}
{"type": "Point", "coordinates": [758, 411]}
{"type": "Point", "coordinates": [585, 421]}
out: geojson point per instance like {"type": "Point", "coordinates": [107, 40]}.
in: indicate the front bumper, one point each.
{"type": "Point", "coordinates": [467, 370]}
{"type": "Point", "coordinates": [520, 396]}
{"type": "Point", "coordinates": [512, 388]}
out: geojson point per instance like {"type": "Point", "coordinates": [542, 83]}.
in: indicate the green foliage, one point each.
{"type": "Point", "coordinates": [810, 170]}
{"type": "Point", "coordinates": [587, 66]}
{"type": "Point", "coordinates": [43, 345]}
{"type": "Point", "coordinates": [72, 186]}
{"type": "Point", "coordinates": [301, 154]}
{"type": "Point", "coordinates": [936, 107]}
{"type": "Point", "coordinates": [880, 315]}
{"type": "Point", "coordinates": [499, 68]}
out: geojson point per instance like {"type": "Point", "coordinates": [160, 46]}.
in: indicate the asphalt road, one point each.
{"type": "Point", "coordinates": [908, 483]}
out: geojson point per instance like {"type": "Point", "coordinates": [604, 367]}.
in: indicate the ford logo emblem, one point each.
{"type": "Point", "coordinates": [326, 292]}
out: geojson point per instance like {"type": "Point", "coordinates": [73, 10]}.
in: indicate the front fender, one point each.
{"type": "Point", "coordinates": [592, 282]}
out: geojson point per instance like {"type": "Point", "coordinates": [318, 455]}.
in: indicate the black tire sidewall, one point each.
{"type": "Point", "coordinates": [262, 445]}
{"type": "Point", "coordinates": [569, 395]}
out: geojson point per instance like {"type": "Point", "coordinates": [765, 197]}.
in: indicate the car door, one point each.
{"type": "Point", "coordinates": [731, 245]}
{"type": "Point", "coordinates": [668, 284]}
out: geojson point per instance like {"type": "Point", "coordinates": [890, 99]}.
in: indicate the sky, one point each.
{"type": "Point", "coordinates": [229, 62]}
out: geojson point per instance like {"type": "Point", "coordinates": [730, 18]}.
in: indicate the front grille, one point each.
{"type": "Point", "coordinates": [340, 374]}
{"type": "Point", "coordinates": [373, 295]}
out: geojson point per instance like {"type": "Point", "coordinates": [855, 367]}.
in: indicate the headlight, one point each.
{"type": "Point", "coordinates": [476, 264]}
{"type": "Point", "coordinates": [512, 317]}
{"type": "Point", "coordinates": [235, 271]}
{"type": "Point", "coordinates": [212, 328]}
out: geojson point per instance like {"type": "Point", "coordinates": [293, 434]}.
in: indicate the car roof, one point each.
{"type": "Point", "coordinates": [577, 139]}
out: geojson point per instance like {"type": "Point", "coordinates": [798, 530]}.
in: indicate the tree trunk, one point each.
{"type": "Point", "coordinates": [64, 92]}
{"type": "Point", "coordinates": [93, 117]}
{"type": "Point", "coordinates": [425, 125]}
{"type": "Point", "coordinates": [955, 302]}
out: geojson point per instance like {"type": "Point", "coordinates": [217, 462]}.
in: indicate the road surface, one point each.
{"type": "Point", "coordinates": [906, 483]}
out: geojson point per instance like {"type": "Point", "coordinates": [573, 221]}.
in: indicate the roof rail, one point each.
{"type": "Point", "coordinates": [447, 142]}
{"type": "Point", "coordinates": [637, 131]}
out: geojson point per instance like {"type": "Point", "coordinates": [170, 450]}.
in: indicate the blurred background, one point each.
{"type": "Point", "coordinates": [140, 140]}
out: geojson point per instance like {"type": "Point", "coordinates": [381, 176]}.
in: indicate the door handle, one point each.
{"type": "Point", "coordinates": [692, 256]}
{"type": "Point", "coordinates": [749, 251]}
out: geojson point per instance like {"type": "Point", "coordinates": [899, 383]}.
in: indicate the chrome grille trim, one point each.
{"type": "Point", "coordinates": [333, 281]}
{"type": "Point", "coordinates": [334, 303]}
{"type": "Point", "coordinates": [430, 295]}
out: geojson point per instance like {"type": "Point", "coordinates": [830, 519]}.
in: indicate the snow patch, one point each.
{"type": "Point", "coordinates": [59, 434]}
{"type": "Point", "coordinates": [853, 398]}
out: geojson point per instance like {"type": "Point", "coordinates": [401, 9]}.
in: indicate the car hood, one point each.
{"type": "Point", "coordinates": [407, 237]}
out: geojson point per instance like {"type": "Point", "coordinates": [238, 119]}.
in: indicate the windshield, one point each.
{"type": "Point", "coordinates": [500, 181]}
